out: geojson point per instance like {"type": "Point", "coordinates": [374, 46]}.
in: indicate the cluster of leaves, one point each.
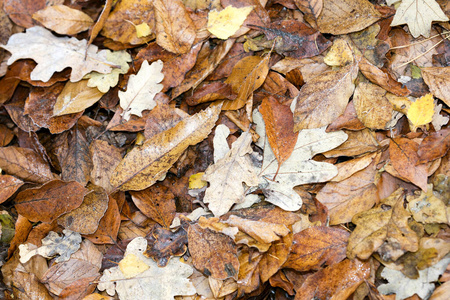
{"type": "Point", "coordinates": [225, 149]}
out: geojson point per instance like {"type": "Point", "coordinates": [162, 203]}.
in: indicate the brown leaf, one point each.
{"type": "Point", "coordinates": [95, 30]}
{"type": "Point", "coordinates": [207, 61]}
{"type": "Point", "coordinates": [6, 135]}
{"type": "Point", "coordinates": [157, 203]}
{"type": "Point", "coordinates": [316, 246]}
{"type": "Point", "coordinates": [162, 118]}
{"type": "Point", "coordinates": [167, 244]}
{"type": "Point", "coordinates": [224, 69]}
{"type": "Point", "coordinates": [338, 281]}
{"type": "Point", "coordinates": [25, 164]}
{"type": "Point", "coordinates": [275, 257]}
{"type": "Point", "coordinates": [76, 97]}
{"type": "Point", "coordinates": [384, 229]}
{"type": "Point", "coordinates": [141, 168]}
{"type": "Point", "coordinates": [108, 227]}
{"type": "Point", "coordinates": [434, 146]}
{"type": "Point", "coordinates": [8, 186]}
{"type": "Point", "coordinates": [48, 202]}
{"type": "Point", "coordinates": [211, 91]}
{"type": "Point", "coordinates": [63, 19]}
{"type": "Point", "coordinates": [437, 80]}
{"type": "Point", "coordinates": [279, 128]}
{"type": "Point", "coordinates": [358, 142]}
{"type": "Point", "coordinates": [247, 75]}
{"type": "Point", "coordinates": [21, 11]}
{"type": "Point", "coordinates": [248, 278]}
{"type": "Point", "coordinates": [350, 17]}
{"type": "Point", "coordinates": [26, 284]}
{"type": "Point", "coordinates": [22, 229]}
{"type": "Point", "coordinates": [348, 120]}
{"type": "Point", "coordinates": [76, 163]}
{"type": "Point", "coordinates": [213, 253]}
{"type": "Point", "coordinates": [80, 270]}
{"type": "Point", "coordinates": [372, 107]}
{"type": "Point", "coordinates": [121, 22]}
{"type": "Point", "coordinates": [105, 159]}
{"type": "Point", "coordinates": [85, 218]}
{"type": "Point", "coordinates": [312, 7]}
{"type": "Point", "coordinates": [175, 30]}
{"type": "Point", "coordinates": [15, 109]}
{"type": "Point", "coordinates": [324, 98]}
{"type": "Point", "coordinates": [405, 160]}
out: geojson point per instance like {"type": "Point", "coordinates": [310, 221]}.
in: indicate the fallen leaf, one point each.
{"type": "Point", "coordinates": [158, 283]}
{"type": "Point", "coordinates": [324, 98]}
{"type": "Point", "coordinates": [140, 169]}
{"type": "Point", "coordinates": [213, 253]}
{"type": "Point", "coordinates": [63, 19]}
{"type": "Point", "coordinates": [53, 245]}
{"type": "Point", "coordinates": [404, 287]}
{"type": "Point", "coordinates": [340, 54]}
{"type": "Point", "coordinates": [313, 7]}
{"type": "Point", "coordinates": [350, 17]}
{"type": "Point", "coordinates": [437, 80]}
{"type": "Point", "coordinates": [141, 90]}
{"type": "Point", "coordinates": [29, 284]}
{"type": "Point", "coordinates": [8, 186]}
{"type": "Point", "coordinates": [175, 30]}
{"type": "Point", "coordinates": [434, 146]}
{"type": "Point", "coordinates": [54, 54]}
{"type": "Point", "coordinates": [75, 97]}
{"type": "Point", "coordinates": [404, 159]}
{"type": "Point", "coordinates": [25, 164]}
{"type": "Point", "coordinates": [21, 12]}
{"type": "Point", "coordinates": [247, 75]}
{"type": "Point", "coordinates": [338, 281]}
{"type": "Point", "coordinates": [167, 244]}
{"type": "Point", "coordinates": [427, 208]}
{"type": "Point", "coordinates": [119, 25]}
{"type": "Point", "coordinates": [225, 23]}
{"type": "Point", "coordinates": [418, 14]}
{"type": "Point", "coordinates": [48, 202]}
{"type": "Point", "coordinates": [421, 111]}
{"type": "Point", "coordinates": [357, 143]}
{"type": "Point", "coordinates": [316, 246]}
{"type": "Point", "coordinates": [226, 177]}
{"type": "Point", "coordinates": [386, 226]}
{"type": "Point", "coordinates": [105, 159]}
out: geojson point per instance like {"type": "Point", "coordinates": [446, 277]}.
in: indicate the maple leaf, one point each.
{"type": "Point", "coordinates": [54, 54]}
{"type": "Point", "coordinates": [138, 276]}
{"type": "Point", "coordinates": [418, 14]}
{"type": "Point", "coordinates": [141, 89]}
{"type": "Point", "coordinates": [227, 175]}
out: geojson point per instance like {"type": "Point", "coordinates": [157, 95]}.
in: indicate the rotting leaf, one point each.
{"type": "Point", "coordinates": [144, 165]}
{"type": "Point", "coordinates": [167, 244]}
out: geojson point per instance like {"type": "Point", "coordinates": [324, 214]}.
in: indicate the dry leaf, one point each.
{"type": "Point", "coordinates": [175, 30]}
{"type": "Point", "coordinates": [324, 98]}
{"type": "Point", "coordinates": [8, 186]}
{"type": "Point", "coordinates": [75, 97]}
{"type": "Point", "coordinates": [167, 244]}
{"type": "Point", "coordinates": [142, 168]}
{"type": "Point", "coordinates": [141, 89]}
{"type": "Point", "coordinates": [63, 19]}
{"type": "Point", "coordinates": [437, 80]}
{"type": "Point", "coordinates": [54, 54]}
{"type": "Point", "coordinates": [427, 208]}
{"type": "Point", "coordinates": [434, 146]}
{"type": "Point", "coordinates": [105, 159]}
{"type": "Point", "coordinates": [226, 177]}
{"type": "Point", "coordinates": [418, 14]}
{"type": "Point", "coordinates": [20, 12]}
{"type": "Point", "coordinates": [421, 111]}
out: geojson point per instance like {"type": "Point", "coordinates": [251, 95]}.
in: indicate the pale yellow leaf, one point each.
{"type": "Point", "coordinates": [75, 97]}
{"type": "Point", "coordinates": [421, 111]}
{"type": "Point", "coordinates": [225, 23]}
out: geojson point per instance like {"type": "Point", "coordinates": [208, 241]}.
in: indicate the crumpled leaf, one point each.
{"type": "Point", "coordinates": [227, 175]}
{"type": "Point", "coordinates": [106, 81]}
{"type": "Point", "coordinates": [139, 277]}
{"type": "Point", "coordinates": [145, 164]}
{"type": "Point", "coordinates": [418, 14]}
{"type": "Point", "coordinates": [53, 245]}
{"type": "Point", "coordinates": [384, 228]}
{"type": "Point", "coordinates": [63, 19]}
{"type": "Point", "coordinates": [404, 287]}
{"type": "Point", "coordinates": [141, 89]}
{"type": "Point", "coordinates": [225, 23]}
{"type": "Point", "coordinates": [53, 54]}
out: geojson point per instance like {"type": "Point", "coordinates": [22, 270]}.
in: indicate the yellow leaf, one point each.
{"type": "Point", "coordinates": [131, 265]}
{"type": "Point", "coordinates": [421, 112]}
{"type": "Point", "coordinates": [196, 182]}
{"type": "Point", "coordinates": [225, 23]}
{"type": "Point", "coordinates": [143, 30]}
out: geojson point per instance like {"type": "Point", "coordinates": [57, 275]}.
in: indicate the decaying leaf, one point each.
{"type": "Point", "coordinates": [138, 276]}
{"type": "Point", "coordinates": [53, 245]}
{"type": "Point", "coordinates": [145, 164]}
{"type": "Point", "coordinates": [54, 54]}
{"type": "Point", "coordinates": [141, 89]}
{"type": "Point", "coordinates": [226, 177]}
{"type": "Point", "coordinates": [418, 14]}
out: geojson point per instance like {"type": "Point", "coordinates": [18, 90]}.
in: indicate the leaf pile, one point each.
{"type": "Point", "coordinates": [225, 149]}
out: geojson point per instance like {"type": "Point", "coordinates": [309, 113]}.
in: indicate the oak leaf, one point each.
{"type": "Point", "coordinates": [141, 90]}
{"type": "Point", "coordinates": [418, 14]}
{"type": "Point", "coordinates": [226, 177]}
{"type": "Point", "coordinates": [54, 54]}
{"type": "Point", "coordinates": [138, 276]}
{"type": "Point", "coordinates": [145, 164]}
